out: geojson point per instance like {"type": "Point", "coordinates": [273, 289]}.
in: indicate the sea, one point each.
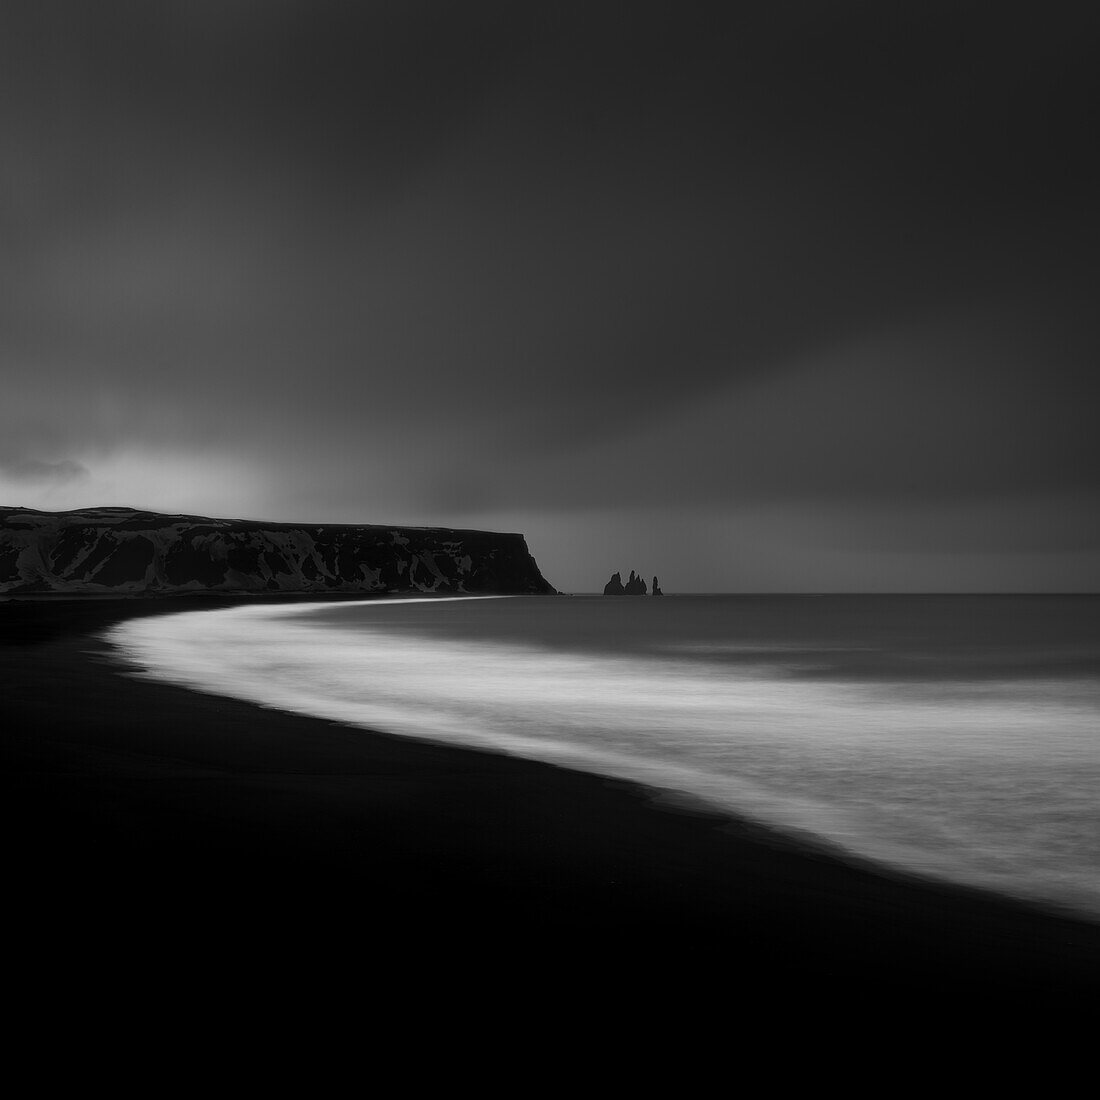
{"type": "Point", "coordinates": [953, 737]}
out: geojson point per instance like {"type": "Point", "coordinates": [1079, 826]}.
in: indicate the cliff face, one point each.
{"type": "Point", "coordinates": [122, 551]}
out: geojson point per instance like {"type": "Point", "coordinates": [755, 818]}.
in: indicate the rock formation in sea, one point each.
{"type": "Point", "coordinates": [635, 586]}
{"type": "Point", "coordinates": [127, 552]}
{"type": "Point", "coordinates": [656, 587]}
{"type": "Point", "coordinates": [614, 587]}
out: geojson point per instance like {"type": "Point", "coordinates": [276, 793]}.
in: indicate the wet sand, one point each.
{"type": "Point", "coordinates": [151, 829]}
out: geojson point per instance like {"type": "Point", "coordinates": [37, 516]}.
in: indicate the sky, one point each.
{"type": "Point", "coordinates": [798, 296]}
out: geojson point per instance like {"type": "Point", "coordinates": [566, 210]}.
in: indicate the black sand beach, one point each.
{"type": "Point", "coordinates": [154, 829]}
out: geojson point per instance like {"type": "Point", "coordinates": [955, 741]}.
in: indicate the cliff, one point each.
{"type": "Point", "coordinates": [122, 551]}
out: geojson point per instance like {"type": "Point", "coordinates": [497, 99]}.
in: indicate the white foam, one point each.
{"type": "Point", "coordinates": [993, 784]}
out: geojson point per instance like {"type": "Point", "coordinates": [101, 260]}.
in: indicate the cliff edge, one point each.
{"type": "Point", "coordinates": [119, 551]}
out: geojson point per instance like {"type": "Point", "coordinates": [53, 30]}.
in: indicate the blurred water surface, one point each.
{"type": "Point", "coordinates": [954, 736]}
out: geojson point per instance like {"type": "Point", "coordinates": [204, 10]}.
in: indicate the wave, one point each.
{"type": "Point", "coordinates": [991, 783]}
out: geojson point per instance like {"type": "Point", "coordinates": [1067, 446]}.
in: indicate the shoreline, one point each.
{"type": "Point", "coordinates": [808, 815]}
{"type": "Point", "coordinates": [220, 816]}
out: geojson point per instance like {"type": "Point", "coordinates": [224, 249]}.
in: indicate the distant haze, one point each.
{"type": "Point", "coordinates": [802, 297]}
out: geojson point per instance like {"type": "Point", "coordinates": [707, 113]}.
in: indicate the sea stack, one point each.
{"type": "Point", "coordinates": [635, 586]}
{"type": "Point", "coordinates": [656, 587]}
{"type": "Point", "coordinates": [614, 587]}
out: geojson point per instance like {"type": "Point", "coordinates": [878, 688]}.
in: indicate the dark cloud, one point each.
{"type": "Point", "coordinates": [455, 260]}
{"type": "Point", "coordinates": [34, 471]}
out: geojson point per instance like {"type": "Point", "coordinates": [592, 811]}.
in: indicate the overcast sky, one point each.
{"type": "Point", "coordinates": [804, 298]}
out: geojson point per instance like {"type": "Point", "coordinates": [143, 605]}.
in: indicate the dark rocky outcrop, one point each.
{"type": "Point", "coordinates": [635, 586]}
{"type": "Point", "coordinates": [656, 587]}
{"type": "Point", "coordinates": [123, 551]}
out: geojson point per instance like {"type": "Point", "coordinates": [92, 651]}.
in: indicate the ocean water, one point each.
{"type": "Point", "coordinates": [950, 736]}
